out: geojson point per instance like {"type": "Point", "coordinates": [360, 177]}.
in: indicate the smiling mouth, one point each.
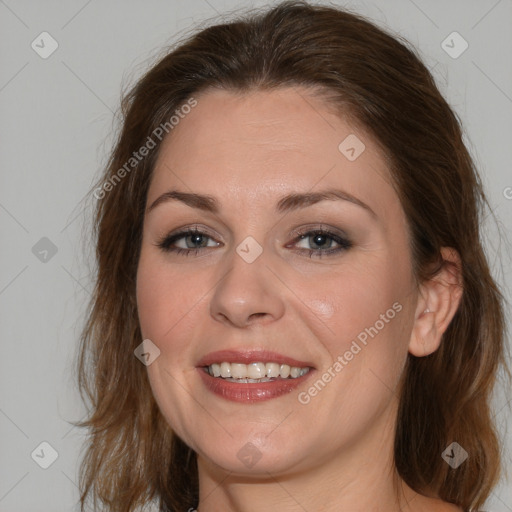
{"type": "Point", "coordinates": [254, 372]}
{"type": "Point", "coordinates": [252, 375]}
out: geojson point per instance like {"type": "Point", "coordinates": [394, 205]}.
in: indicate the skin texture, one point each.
{"type": "Point", "coordinates": [335, 452]}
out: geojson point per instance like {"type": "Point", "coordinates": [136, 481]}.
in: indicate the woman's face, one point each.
{"type": "Point", "coordinates": [278, 277]}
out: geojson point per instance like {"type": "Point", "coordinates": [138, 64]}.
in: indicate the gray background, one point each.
{"type": "Point", "coordinates": [56, 129]}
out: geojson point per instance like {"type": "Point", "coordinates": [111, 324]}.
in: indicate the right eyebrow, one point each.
{"type": "Point", "coordinates": [200, 201]}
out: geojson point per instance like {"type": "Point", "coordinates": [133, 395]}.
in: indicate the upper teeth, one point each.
{"type": "Point", "coordinates": [255, 370]}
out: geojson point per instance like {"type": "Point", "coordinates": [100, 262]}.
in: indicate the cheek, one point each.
{"type": "Point", "coordinates": [354, 299]}
{"type": "Point", "coordinates": [164, 304]}
{"type": "Point", "coordinates": [151, 298]}
{"type": "Point", "coordinates": [164, 308]}
{"type": "Point", "coordinates": [364, 327]}
{"type": "Point", "coordinates": [323, 308]}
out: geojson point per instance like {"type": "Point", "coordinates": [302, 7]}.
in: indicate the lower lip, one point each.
{"type": "Point", "coordinates": [251, 391]}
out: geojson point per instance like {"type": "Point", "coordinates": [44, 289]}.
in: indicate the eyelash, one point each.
{"type": "Point", "coordinates": [165, 243]}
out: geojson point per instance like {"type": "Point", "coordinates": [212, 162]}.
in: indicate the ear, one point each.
{"type": "Point", "coordinates": [438, 302]}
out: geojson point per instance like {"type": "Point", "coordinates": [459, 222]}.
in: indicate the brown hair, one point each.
{"type": "Point", "coordinates": [132, 455]}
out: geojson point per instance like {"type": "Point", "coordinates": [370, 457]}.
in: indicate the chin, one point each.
{"type": "Point", "coordinates": [254, 455]}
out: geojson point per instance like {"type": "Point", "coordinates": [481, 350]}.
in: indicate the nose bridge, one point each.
{"type": "Point", "coordinates": [247, 291]}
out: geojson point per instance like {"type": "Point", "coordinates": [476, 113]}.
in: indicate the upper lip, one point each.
{"type": "Point", "coordinates": [250, 356]}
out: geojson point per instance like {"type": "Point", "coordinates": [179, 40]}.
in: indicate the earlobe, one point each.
{"type": "Point", "coordinates": [439, 300]}
{"type": "Point", "coordinates": [424, 337]}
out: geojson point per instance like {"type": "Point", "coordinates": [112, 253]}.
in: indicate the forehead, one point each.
{"type": "Point", "coordinates": [264, 142]}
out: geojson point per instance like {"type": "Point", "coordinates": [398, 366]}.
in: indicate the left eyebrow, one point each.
{"type": "Point", "coordinates": [301, 200]}
{"type": "Point", "coordinates": [287, 203]}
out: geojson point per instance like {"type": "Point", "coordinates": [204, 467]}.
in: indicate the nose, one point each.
{"type": "Point", "coordinates": [248, 293]}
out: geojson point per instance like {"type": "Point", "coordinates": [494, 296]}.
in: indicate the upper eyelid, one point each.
{"type": "Point", "coordinates": [187, 230]}
{"type": "Point", "coordinates": [320, 227]}
{"type": "Point", "coordinates": [294, 232]}
{"type": "Point", "coordinates": [298, 232]}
